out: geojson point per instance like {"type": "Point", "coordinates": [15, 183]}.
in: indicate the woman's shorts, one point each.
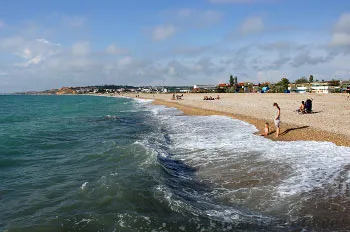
{"type": "Point", "coordinates": [277, 123]}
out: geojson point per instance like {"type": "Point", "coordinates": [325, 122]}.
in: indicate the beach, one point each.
{"type": "Point", "coordinates": [329, 121]}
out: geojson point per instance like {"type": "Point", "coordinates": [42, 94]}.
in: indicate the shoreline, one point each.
{"type": "Point", "coordinates": [289, 131]}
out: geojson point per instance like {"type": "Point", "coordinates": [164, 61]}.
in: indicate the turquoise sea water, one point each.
{"type": "Point", "coordinates": [85, 163]}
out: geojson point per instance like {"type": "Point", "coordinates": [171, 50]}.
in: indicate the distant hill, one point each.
{"type": "Point", "coordinates": [66, 90]}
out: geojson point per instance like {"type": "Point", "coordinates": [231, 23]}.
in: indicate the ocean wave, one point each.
{"type": "Point", "coordinates": [245, 169]}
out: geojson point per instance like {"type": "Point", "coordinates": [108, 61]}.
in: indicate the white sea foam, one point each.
{"type": "Point", "coordinates": [313, 163]}
{"type": "Point", "coordinates": [225, 151]}
{"type": "Point", "coordinates": [140, 100]}
{"type": "Point", "coordinates": [83, 186]}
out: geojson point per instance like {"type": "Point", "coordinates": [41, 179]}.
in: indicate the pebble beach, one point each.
{"type": "Point", "coordinates": [329, 121]}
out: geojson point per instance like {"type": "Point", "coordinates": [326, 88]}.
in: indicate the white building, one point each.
{"type": "Point", "coordinates": [299, 89]}
{"type": "Point", "coordinates": [322, 88]}
{"type": "Point", "coordinates": [206, 87]}
{"type": "Point", "coordinates": [316, 87]}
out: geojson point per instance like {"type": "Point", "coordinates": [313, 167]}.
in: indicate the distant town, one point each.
{"type": "Point", "coordinates": [301, 85]}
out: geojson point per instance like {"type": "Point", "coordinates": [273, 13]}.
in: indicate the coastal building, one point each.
{"type": "Point", "coordinates": [314, 87]}
{"type": "Point", "coordinates": [176, 89]}
{"type": "Point", "coordinates": [299, 88]}
{"type": "Point", "coordinates": [322, 87]}
{"type": "Point", "coordinates": [245, 87]}
{"type": "Point", "coordinates": [344, 86]}
{"type": "Point", "coordinates": [200, 88]}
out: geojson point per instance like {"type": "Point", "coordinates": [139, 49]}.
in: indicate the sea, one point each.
{"type": "Point", "coordinates": [92, 163]}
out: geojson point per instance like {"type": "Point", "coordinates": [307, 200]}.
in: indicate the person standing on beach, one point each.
{"type": "Point", "coordinates": [277, 119]}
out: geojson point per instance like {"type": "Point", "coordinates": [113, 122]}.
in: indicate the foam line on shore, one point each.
{"type": "Point", "coordinates": [289, 132]}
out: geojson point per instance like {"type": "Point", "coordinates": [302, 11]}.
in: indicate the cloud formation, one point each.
{"type": "Point", "coordinates": [341, 34]}
{"type": "Point", "coordinates": [113, 49]}
{"type": "Point", "coordinates": [252, 25]}
{"type": "Point", "coordinates": [163, 32]}
{"type": "Point", "coordinates": [81, 48]}
{"type": "Point", "coordinates": [198, 54]}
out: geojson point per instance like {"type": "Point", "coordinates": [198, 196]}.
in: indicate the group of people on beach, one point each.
{"type": "Point", "coordinates": [277, 121]}
{"type": "Point", "coordinates": [177, 97]}
{"type": "Point", "coordinates": [211, 98]}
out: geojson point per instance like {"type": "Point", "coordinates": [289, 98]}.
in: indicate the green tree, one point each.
{"type": "Point", "coordinates": [284, 83]}
{"type": "Point", "coordinates": [301, 80]}
{"type": "Point", "coordinates": [311, 78]}
{"type": "Point", "coordinates": [232, 82]}
{"type": "Point", "coordinates": [280, 86]}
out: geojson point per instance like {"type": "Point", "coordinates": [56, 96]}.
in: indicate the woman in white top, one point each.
{"type": "Point", "coordinates": [277, 118]}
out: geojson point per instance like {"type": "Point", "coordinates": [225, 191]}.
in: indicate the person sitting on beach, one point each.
{"type": "Point", "coordinates": [266, 129]}
{"type": "Point", "coordinates": [301, 109]}
{"type": "Point", "coordinates": [218, 97]}
{"type": "Point", "coordinates": [173, 97]}
{"type": "Point", "coordinates": [179, 97]}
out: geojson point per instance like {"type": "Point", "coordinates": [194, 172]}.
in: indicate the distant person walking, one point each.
{"type": "Point", "coordinates": [277, 118]}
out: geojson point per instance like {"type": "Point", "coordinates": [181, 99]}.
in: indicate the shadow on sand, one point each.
{"type": "Point", "coordinates": [291, 129]}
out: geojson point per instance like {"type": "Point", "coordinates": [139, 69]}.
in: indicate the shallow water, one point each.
{"type": "Point", "coordinates": [83, 163]}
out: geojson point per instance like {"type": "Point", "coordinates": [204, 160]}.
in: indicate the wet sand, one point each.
{"type": "Point", "coordinates": [329, 122]}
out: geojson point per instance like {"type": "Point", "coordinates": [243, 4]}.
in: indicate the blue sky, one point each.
{"type": "Point", "coordinates": [50, 44]}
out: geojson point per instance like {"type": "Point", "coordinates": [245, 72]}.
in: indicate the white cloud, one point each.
{"type": "Point", "coordinates": [26, 54]}
{"type": "Point", "coordinates": [340, 39]}
{"type": "Point", "coordinates": [113, 49]}
{"type": "Point", "coordinates": [252, 25]}
{"type": "Point", "coordinates": [81, 48]}
{"type": "Point", "coordinates": [343, 24]}
{"type": "Point", "coordinates": [12, 44]}
{"type": "Point", "coordinates": [163, 32]}
{"type": "Point", "coordinates": [125, 61]}
{"type": "Point", "coordinates": [341, 34]}
{"type": "Point", "coordinates": [33, 61]}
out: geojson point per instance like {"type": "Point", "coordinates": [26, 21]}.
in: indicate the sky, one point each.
{"type": "Point", "coordinates": [51, 44]}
